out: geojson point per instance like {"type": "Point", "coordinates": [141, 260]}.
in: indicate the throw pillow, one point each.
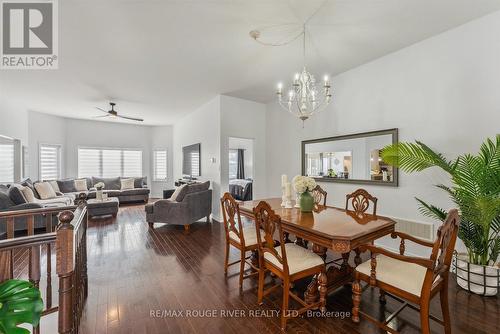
{"type": "Point", "coordinates": [28, 183]}
{"type": "Point", "coordinates": [81, 185]}
{"type": "Point", "coordinates": [55, 186]}
{"type": "Point", "coordinates": [127, 184]}
{"type": "Point", "coordinates": [45, 190]}
{"type": "Point", "coordinates": [16, 195]}
{"type": "Point", "coordinates": [67, 186]}
{"type": "Point", "coordinates": [29, 195]}
{"type": "Point", "coordinates": [140, 182]}
{"type": "Point", "coordinates": [179, 193]}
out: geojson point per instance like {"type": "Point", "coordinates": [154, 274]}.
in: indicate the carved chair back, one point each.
{"type": "Point", "coordinates": [232, 217]}
{"type": "Point", "coordinates": [319, 195]}
{"type": "Point", "coordinates": [269, 222]}
{"type": "Point", "coordinates": [360, 201]}
{"type": "Point", "coordinates": [442, 251]}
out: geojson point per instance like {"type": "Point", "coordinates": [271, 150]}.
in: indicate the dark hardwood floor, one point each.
{"type": "Point", "coordinates": [148, 281]}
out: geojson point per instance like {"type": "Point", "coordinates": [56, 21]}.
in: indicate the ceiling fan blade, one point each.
{"type": "Point", "coordinates": [131, 118]}
{"type": "Point", "coordinates": [102, 116]}
{"type": "Point", "coordinates": [101, 109]}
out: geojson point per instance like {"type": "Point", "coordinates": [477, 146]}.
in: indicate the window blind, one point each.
{"type": "Point", "coordinates": [109, 162]}
{"type": "Point", "coordinates": [160, 165]}
{"type": "Point", "coordinates": [6, 160]}
{"type": "Point", "coordinates": [50, 162]}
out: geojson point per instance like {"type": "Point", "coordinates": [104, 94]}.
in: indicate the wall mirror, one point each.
{"type": "Point", "coordinates": [351, 158]}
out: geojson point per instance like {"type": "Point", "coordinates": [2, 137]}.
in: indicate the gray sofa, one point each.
{"type": "Point", "coordinates": [112, 187]}
{"type": "Point", "coordinates": [9, 202]}
{"type": "Point", "coordinates": [192, 204]}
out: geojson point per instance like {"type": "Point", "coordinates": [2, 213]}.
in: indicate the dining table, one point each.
{"type": "Point", "coordinates": [326, 227]}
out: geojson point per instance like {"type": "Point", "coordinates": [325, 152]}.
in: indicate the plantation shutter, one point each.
{"type": "Point", "coordinates": [160, 165]}
{"type": "Point", "coordinates": [6, 160]}
{"type": "Point", "coordinates": [50, 162]}
{"type": "Point", "coordinates": [109, 162]}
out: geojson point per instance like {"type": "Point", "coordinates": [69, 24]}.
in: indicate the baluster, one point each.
{"type": "Point", "coordinates": [402, 247]}
{"type": "Point", "coordinates": [34, 270]}
{"type": "Point", "coordinates": [64, 268]}
{"type": "Point", "coordinates": [48, 222]}
{"type": "Point", "coordinates": [6, 265]}
{"type": "Point", "coordinates": [10, 227]}
{"type": "Point", "coordinates": [49, 276]}
{"type": "Point", "coordinates": [31, 224]}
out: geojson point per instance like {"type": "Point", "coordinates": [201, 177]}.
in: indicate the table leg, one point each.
{"type": "Point", "coordinates": [357, 258]}
{"type": "Point", "coordinates": [311, 295]}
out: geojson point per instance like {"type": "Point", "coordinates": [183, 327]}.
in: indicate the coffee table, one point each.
{"type": "Point", "coordinates": [107, 207]}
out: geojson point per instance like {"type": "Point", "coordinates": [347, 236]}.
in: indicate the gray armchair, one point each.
{"type": "Point", "coordinates": [194, 206]}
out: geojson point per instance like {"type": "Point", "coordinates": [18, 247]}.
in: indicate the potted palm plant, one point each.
{"type": "Point", "coordinates": [475, 189]}
{"type": "Point", "coordinates": [20, 303]}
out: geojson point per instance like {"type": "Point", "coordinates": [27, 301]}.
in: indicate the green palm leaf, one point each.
{"type": "Point", "coordinates": [20, 303]}
{"type": "Point", "coordinates": [475, 190]}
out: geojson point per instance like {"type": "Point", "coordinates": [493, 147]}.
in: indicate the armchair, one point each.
{"type": "Point", "coordinates": [193, 207]}
{"type": "Point", "coordinates": [416, 280]}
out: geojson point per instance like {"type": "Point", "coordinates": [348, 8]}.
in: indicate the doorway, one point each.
{"type": "Point", "coordinates": [241, 171]}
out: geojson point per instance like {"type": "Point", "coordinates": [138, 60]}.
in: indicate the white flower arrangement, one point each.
{"type": "Point", "coordinates": [301, 184]}
{"type": "Point", "coordinates": [99, 185]}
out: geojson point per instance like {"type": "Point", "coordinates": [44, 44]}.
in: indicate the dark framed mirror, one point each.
{"type": "Point", "coordinates": [353, 158]}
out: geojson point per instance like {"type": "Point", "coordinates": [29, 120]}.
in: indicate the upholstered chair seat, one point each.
{"type": "Point", "coordinates": [403, 275]}
{"type": "Point", "coordinates": [299, 258]}
{"type": "Point", "coordinates": [249, 234]}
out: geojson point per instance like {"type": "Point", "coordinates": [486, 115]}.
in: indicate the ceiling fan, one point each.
{"type": "Point", "coordinates": [114, 113]}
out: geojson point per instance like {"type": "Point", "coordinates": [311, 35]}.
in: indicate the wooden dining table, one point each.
{"type": "Point", "coordinates": [339, 230]}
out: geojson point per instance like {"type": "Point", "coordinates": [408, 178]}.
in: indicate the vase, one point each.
{"type": "Point", "coordinates": [478, 279]}
{"type": "Point", "coordinates": [98, 194]}
{"type": "Point", "coordinates": [306, 202]}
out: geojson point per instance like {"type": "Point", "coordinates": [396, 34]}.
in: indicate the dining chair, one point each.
{"type": "Point", "coordinates": [287, 261]}
{"type": "Point", "coordinates": [410, 280]}
{"type": "Point", "coordinates": [242, 238]}
{"type": "Point", "coordinates": [319, 195]}
{"type": "Point", "coordinates": [360, 201]}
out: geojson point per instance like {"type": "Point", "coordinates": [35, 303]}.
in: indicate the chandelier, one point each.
{"type": "Point", "coordinates": [304, 97]}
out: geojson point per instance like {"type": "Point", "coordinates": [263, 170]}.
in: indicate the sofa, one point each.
{"type": "Point", "coordinates": [10, 201]}
{"type": "Point", "coordinates": [112, 187]}
{"type": "Point", "coordinates": [188, 204]}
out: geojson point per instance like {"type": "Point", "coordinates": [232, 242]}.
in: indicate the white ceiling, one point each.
{"type": "Point", "coordinates": [160, 59]}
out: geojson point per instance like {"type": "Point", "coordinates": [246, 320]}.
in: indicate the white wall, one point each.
{"type": "Point", "coordinates": [442, 91]}
{"type": "Point", "coordinates": [72, 133]}
{"type": "Point", "coordinates": [45, 129]}
{"type": "Point", "coordinates": [202, 126]}
{"type": "Point", "coordinates": [82, 133]}
{"type": "Point", "coordinates": [244, 119]}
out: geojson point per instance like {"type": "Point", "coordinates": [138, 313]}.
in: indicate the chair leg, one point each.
{"type": "Point", "coordinates": [151, 225]}
{"type": "Point", "coordinates": [242, 267]}
{"type": "Point", "coordinates": [186, 229]}
{"type": "Point", "coordinates": [424, 316]}
{"type": "Point", "coordinates": [226, 260]}
{"type": "Point", "coordinates": [445, 309]}
{"type": "Point", "coordinates": [260, 292]}
{"type": "Point", "coordinates": [356, 300]}
{"type": "Point", "coordinates": [284, 308]}
{"type": "Point", "coordinates": [322, 280]}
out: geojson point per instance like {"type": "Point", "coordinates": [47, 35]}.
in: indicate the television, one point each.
{"type": "Point", "coordinates": [191, 160]}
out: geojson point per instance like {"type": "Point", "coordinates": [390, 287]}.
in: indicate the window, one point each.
{"type": "Point", "coordinates": [109, 162]}
{"type": "Point", "coordinates": [160, 165]}
{"type": "Point", "coordinates": [50, 162]}
{"type": "Point", "coordinates": [6, 160]}
{"type": "Point", "coordinates": [233, 164]}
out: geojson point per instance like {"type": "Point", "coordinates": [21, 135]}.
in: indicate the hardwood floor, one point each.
{"type": "Point", "coordinates": [149, 281]}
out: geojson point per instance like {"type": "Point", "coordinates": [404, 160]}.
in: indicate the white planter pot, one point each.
{"type": "Point", "coordinates": [98, 195]}
{"type": "Point", "coordinates": [481, 280]}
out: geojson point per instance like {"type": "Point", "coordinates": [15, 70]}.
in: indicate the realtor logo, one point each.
{"type": "Point", "coordinates": [29, 34]}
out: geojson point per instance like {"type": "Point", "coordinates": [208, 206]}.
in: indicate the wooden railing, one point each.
{"type": "Point", "coordinates": [69, 235]}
